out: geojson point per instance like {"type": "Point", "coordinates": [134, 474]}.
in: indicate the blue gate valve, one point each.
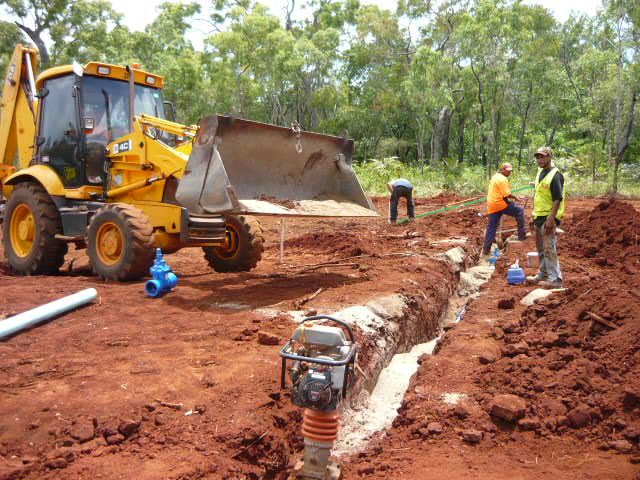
{"type": "Point", "coordinates": [494, 257]}
{"type": "Point", "coordinates": [164, 280]}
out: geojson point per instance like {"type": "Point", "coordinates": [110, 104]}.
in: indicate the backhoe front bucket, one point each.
{"type": "Point", "coordinates": [240, 166]}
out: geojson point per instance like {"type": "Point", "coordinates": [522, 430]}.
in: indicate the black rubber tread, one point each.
{"type": "Point", "coordinates": [250, 247]}
{"type": "Point", "coordinates": [139, 242]}
{"type": "Point", "coordinates": [48, 253]}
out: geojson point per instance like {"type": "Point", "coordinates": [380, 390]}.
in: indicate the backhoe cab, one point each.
{"type": "Point", "coordinates": [87, 156]}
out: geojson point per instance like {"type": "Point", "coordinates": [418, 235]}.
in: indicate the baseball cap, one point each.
{"type": "Point", "coordinates": [506, 166]}
{"type": "Point", "coordinates": [544, 152]}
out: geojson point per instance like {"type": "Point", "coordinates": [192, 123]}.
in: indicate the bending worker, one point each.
{"type": "Point", "coordinates": [400, 188]}
{"type": "Point", "coordinates": [500, 202]}
{"type": "Point", "coordinates": [548, 210]}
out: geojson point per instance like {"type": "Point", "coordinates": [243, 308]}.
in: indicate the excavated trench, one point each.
{"type": "Point", "coordinates": [401, 329]}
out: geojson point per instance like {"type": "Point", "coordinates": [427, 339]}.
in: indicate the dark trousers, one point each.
{"type": "Point", "coordinates": [396, 194]}
{"type": "Point", "coordinates": [513, 210]}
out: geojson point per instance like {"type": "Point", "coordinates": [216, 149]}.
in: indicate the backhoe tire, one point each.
{"type": "Point", "coordinates": [120, 242]}
{"type": "Point", "coordinates": [243, 247]}
{"type": "Point", "coordinates": [31, 222]}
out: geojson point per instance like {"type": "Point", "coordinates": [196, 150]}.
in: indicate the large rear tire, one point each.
{"type": "Point", "coordinates": [120, 242]}
{"type": "Point", "coordinates": [31, 222]}
{"type": "Point", "coordinates": [243, 246]}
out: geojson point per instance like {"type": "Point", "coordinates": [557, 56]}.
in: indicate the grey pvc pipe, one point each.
{"type": "Point", "coordinates": [44, 312]}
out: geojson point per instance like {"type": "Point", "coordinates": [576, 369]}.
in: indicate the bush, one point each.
{"type": "Point", "coordinates": [471, 180]}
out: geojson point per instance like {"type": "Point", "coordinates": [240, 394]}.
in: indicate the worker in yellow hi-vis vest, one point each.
{"type": "Point", "coordinates": [548, 210]}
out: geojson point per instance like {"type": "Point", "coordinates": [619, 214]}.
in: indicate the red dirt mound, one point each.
{"type": "Point", "coordinates": [609, 232]}
{"type": "Point", "coordinates": [340, 243]}
{"type": "Point", "coordinates": [523, 392]}
{"type": "Point", "coordinates": [571, 362]}
{"type": "Point", "coordinates": [575, 362]}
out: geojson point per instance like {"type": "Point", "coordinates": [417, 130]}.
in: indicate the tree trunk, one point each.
{"type": "Point", "coordinates": [567, 68]}
{"type": "Point", "coordinates": [474, 152]}
{"type": "Point", "coordinates": [42, 48]}
{"type": "Point", "coordinates": [624, 140]}
{"type": "Point", "coordinates": [420, 143]}
{"type": "Point", "coordinates": [621, 138]}
{"type": "Point", "coordinates": [432, 147]}
{"type": "Point", "coordinates": [552, 136]}
{"type": "Point", "coordinates": [240, 95]}
{"type": "Point", "coordinates": [610, 141]}
{"type": "Point", "coordinates": [299, 111]}
{"type": "Point", "coordinates": [593, 161]}
{"type": "Point", "coordinates": [291, 5]}
{"type": "Point", "coordinates": [461, 121]}
{"type": "Point", "coordinates": [483, 135]}
{"type": "Point", "coordinates": [374, 145]}
{"type": "Point", "coordinates": [313, 115]}
{"type": "Point", "coordinates": [523, 125]}
{"type": "Point", "coordinates": [441, 135]}
{"type": "Point", "coordinates": [497, 121]}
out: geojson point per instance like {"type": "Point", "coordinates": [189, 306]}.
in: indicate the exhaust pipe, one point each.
{"type": "Point", "coordinates": [44, 312]}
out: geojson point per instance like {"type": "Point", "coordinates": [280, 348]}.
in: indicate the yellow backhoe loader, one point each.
{"type": "Point", "coordinates": [88, 156]}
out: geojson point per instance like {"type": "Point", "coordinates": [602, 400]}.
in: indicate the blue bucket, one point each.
{"type": "Point", "coordinates": [515, 275]}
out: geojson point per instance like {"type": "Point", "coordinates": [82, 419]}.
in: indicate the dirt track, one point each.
{"type": "Point", "coordinates": [81, 396]}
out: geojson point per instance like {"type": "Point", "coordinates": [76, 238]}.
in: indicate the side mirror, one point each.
{"type": "Point", "coordinates": [88, 124]}
{"type": "Point", "coordinates": [169, 110]}
{"type": "Point", "coordinates": [77, 69]}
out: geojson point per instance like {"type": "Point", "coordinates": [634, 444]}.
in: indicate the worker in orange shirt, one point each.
{"type": "Point", "coordinates": [500, 202]}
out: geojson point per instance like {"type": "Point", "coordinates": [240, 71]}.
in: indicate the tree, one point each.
{"type": "Point", "coordinates": [72, 25]}
{"type": "Point", "coordinates": [9, 37]}
{"type": "Point", "coordinates": [625, 16]}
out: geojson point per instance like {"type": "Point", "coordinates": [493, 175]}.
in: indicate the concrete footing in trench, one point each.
{"type": "Point", "coordinates": [402, 330]}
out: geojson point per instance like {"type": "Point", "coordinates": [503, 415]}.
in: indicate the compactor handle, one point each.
{"type": "Point", "coordinates": [352, 337]}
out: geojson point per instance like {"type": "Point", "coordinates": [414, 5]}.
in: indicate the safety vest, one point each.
{"type": "Point", "coordinates": [542, 201]}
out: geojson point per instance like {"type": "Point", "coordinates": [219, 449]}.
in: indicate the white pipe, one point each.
{"type": "Point", "coordinates": [32, 82]}
{"type": "Point", "coordinates": [44, 312]}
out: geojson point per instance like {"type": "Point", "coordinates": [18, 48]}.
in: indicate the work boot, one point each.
{"type": "Point", "coordinates": [534, 279]}
{"type": "Point", "coordinates": [549, 284]}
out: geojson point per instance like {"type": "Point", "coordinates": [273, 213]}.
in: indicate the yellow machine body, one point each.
{"type": "Point", "coordinates": [184, 179]}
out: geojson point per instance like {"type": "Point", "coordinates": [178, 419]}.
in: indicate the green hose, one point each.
{"type": "Point", "coordinates": [451, 208]}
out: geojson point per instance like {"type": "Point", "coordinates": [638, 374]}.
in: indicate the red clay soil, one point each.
{"type": "Point", "coordinates": [187, 386]}
{"type": "Point", "coordinates": [550, 391]}
{"type": "Point", "coordinates": [609, 235]}
{"type": "Point", "coordinates": [343, 244]}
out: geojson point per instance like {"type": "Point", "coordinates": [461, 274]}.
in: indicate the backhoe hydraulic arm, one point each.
{"type": "Point", "coordinates": [18, 112]}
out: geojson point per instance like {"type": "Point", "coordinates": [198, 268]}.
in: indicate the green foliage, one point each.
{"type": "Point", "coordinates": [484, 81]}
{"type": "Point", "coordinates": [450, 176]}
{"type": "Point", "coordinates": [9, 37]}
{"type": "Point", "coordinates": [471, 180]}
